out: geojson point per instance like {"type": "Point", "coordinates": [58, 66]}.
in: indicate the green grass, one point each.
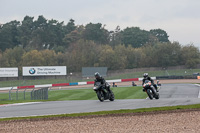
{"type": "Point", "coordinates": [79, 94]}
{"type": "Point", "coordinates": [180, 107]}
{"type": "Point", "coordinates": [35, 82]}
{"type": "Point", "coordinates": [4, 96]}
{"type": "Point", "coordinates": [89, 94]}
{"type": "Point", "coordinates": [179, 72]}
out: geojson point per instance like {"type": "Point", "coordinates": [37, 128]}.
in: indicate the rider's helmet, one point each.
{"type": "Point", "coordinates": [145, 75]}
{"type": "Point", "coordinates": [97, 75]}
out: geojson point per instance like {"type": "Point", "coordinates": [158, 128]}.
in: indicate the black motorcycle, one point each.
{"type": "Point", "coordinates": [102, 93]}
{"type": "Point", "coordinates": [150, 90]}
{"type": "Point", "coordinates": [133, 84]}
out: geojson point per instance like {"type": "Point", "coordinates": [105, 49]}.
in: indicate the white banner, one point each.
{"type": "Point", "coordinates": [9, 72]}
{"type": "Point", "coordinates": [44, 70]}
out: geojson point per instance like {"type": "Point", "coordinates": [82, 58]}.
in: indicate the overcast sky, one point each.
{"type": "Point", "coordinates": [179, 18]}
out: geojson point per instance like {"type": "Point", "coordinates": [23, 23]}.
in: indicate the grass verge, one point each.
{"type": "Point", "coordinates": [101, 113]}
{"type": "Point", "coordinates": [77, 94]}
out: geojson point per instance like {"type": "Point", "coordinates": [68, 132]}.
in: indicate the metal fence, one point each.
{"type": "Point", "coordinates": [28, 94]}
{"type": "Point", "coordinates": [19, 94]}
{"type": "Point", "coordinates": [41, 94]}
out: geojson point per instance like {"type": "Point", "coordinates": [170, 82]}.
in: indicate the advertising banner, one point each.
{"type": "Point", "coordinates": [44, 70]}
{"type": "Point", "coordinates": [9, 72]}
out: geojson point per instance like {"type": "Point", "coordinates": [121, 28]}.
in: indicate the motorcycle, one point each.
{"type": "Point", "coordinates": [158, 83]}
{"type": "Point", "coordinates": [133, 84]}
{"type": "Point", "coordinates": [102, 93]}
{"type": "Point", "coordinates": [150, 90]}
{"type": "Point", "coordinates": [114, 84]}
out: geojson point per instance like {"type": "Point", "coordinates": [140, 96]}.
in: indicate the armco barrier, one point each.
{"type": "Point", "coordinates": [26, 87]}
{"type": "Point", "coordinates": [82, 83]}
{"type": "Point", "coordinates": [177, 77]}
{"type": "Point", "coordinates": [60, 84]}
{"type": "Point", "coordinates": [7, 88]}
{"type": "Point", "coordinates": [133, 79]}
{"type": "Point", "coordinates": [72, 84]}
{"type": "Point", "coordinates": [42, 86]}
{"type": "Point", "coordinates": [115, 80]}
{"type": "Point", "coordinates": [90, 82]}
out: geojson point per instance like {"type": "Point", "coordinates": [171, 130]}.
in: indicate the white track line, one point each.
{"type": "Point", "coordinates": [199, 90]}
{"type": "Point", "coordinates": [17, 104]}
{"type": "Point", "coordinates": [199, 94]}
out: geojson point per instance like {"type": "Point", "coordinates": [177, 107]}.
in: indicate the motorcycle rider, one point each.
{"type": "Point", "coordinates": [146, 77]}
{"type": "Point", "coordinates": [99, 78]}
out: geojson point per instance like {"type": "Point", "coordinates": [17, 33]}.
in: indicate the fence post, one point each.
{"type": "Point", "coordinates": [24, 94]}
{"type": "Point", "coordinates": [10, 93]}
{"type": "Point", "coordinates": [32, 94]}
{"type": "Point", "coordinates": [46, 93]}
{"type": "Point", "coordinates": [42, 93]}
{"type": "Point", "coordinates": [35, 95]}
{"type": "Point", "coordinates": [17, 94]}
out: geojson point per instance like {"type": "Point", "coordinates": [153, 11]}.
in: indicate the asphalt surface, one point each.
{"type": "Point", "coordinates": [170, 95]}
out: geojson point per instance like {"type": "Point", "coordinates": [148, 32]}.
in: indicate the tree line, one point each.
{"type": "Point", "coordinates": [43, 34]}
{"type": "Point", "coordinates": [89, 54]}
{"type": "Point", "coordinates": [45, 42]}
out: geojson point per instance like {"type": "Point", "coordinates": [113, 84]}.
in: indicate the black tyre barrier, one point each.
{"type": "Point", "coordinates": [177, 77]}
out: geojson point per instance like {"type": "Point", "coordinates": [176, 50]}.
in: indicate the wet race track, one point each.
{"type": "Point", "coordinates": [170, 95]}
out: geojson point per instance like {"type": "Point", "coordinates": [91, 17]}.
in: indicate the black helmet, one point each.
{"type": "Point", "coordinates": [145, 75]}
{"type": "Point", "coordinates": [97, 75]}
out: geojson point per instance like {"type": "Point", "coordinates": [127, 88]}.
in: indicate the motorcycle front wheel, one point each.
{"type": "Point", "coordinates": [150, 94]}
{"type": "Point", "coordinates": [100, 96]}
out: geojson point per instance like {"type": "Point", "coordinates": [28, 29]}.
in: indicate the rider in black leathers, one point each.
{"type": "Point", "coordinates": [102, 81]}
{"type": "Point", "coordinates": [146, 77]}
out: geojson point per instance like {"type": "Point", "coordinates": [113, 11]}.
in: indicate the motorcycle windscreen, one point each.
{"type": "Point", "coordinates": [146, 81]}
{"type": "Point", "coordinates": [98, 83]}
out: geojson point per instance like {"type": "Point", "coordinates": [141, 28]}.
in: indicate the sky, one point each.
{"type": "Point", "coordinates": [179, 18]}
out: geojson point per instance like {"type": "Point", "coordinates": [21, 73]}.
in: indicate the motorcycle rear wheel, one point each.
{"type": "Point", "coordinates": [157, 96]}
{"type": "Point", "coordinates": [112, 96]}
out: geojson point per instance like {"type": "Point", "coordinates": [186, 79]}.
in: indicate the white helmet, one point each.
{"type": "Point", "coordinates": [145, 75]}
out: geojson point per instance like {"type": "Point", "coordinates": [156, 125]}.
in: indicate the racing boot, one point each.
{"type": "Point", "coordinates": [156, 87]}
{"type": "Point", "coordinates": [108, 89]}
